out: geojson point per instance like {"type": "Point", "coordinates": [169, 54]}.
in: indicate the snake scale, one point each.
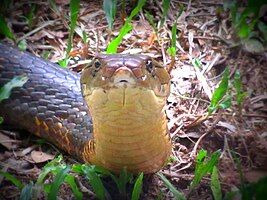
{"type": "Point", "coordinates": [111, 115]}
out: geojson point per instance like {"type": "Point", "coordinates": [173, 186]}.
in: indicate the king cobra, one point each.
{"type": "Point", "coordinates": [112, 115]}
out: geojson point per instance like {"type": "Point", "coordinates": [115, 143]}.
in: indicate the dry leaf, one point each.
{"type": "Point", "coordinates": [39, 156]}
{"type": "Point", "coordinates": [8, 142]}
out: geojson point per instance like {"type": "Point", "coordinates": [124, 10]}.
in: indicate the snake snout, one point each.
{"type": "Point", "coordinates": [123, 76]}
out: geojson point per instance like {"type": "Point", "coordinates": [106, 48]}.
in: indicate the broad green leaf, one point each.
{"type": "Point", "coordinates": [113, 45]}
{"type": "Point", "coordinates": [220, 92]}
{"type": "Point", "coordinates": [12, 178]}
{"type": "Point", "coordinates": [109, 7]}
{"type": "Point", "coordinates": [1, 120]}
{"type": "Point", "coordinates": [26, 193]}
{"type": "Point", "coordinates": [4, 29]}
{"type": "Point", "coordinates": [75, 189]}
{"type": "Point", "coordinates": [215, 185]}
{"type": "Point", "coordinates": [95, 182]}
{"type": "Point", "coordinates": [166, 6]}
{"type": "Point", "coordinates": [177, 195]}
{"type": "Point", "coordinates": [17, 81]}
{"type": "Point", "coordinates": [58, 180]}
{"type": "Point", "coordinates": [137, 187]}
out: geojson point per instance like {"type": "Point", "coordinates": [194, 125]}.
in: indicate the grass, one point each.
{"type": "Point", "coordinates": [5, 30]}
{"type": "Point", "coordinates": [204, 165]}
{"type": "Point", "coordinates": [220, 99]}
{"type": "Point", "coordinates": [56, 173]}
{"type": "Point", "coordinates": [74, 11]}
{"type": "Point", "coordinates": [113, 45]}
{"type": "Point", "coordinates": [166, 7]}
{"type": "Point", "coordinates": [110, 8]}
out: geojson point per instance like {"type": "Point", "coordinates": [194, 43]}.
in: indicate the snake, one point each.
{"type": "Point", "coordinates": [112, 114]}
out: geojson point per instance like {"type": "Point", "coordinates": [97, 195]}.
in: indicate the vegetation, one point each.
{"type": "Point", "coordinates": [229, 92]}
{"type": "Point", "coordinates": [247, 24]}
{"type": "Point", "coordinates": [56, 173]}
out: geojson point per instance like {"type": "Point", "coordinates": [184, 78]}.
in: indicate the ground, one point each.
{"type": "Point", "coordinates": [204, 32]}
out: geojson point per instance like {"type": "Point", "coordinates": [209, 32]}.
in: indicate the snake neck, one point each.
{"type": "Point", "coordinates": [130, 130]}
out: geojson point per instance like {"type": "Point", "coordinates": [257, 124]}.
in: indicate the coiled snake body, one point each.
{"type": "Point", "coordinates": [125, 125]}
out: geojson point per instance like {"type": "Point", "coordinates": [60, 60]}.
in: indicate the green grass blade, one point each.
{"type": "Point", "coordinates": [172, 50]}
{"type": "Point", "coordinates": [215, 184]}
{"type": "Point", "coordinates": [177, 195]}
{"type": "Point", "coordinates": [204, 167]}
{"type": "Point", "coordinates": [137, 187]}
{"type": "Point", "coordinates": [74, 11]}
{"type": "Point", "coordinates": [95, 182]}
{"type": "Point", "coordinates": [109, 7]}
{"type": "Point", "coordinates": [72, 183]}
{"type": "Point", "coordinates": [49, 167]}
{"type": "Point", "coordinates": [240, 95]}
{"type": "Point", "coordinates": [59, 179]}
{"type": "Point", "coordinates": [5, 30]}
{"type": "Point", "coordinates": [136, 10]}
{"type": "Point", "coordinates": [26, 193]}
{"type": "Point", "coordinates": [123, 180]}
{"type": "Point", "coordinates": [151, 20]}
{"type": "Point", "coordinates": [226, 102]}
{"type": "Point", "coordinates": [77, 168]}
{"type": "Point", "coordinates": [113, 45]}
{"type": "Point", "coordinates": [12, 179]}
{"type": "Point", "coordinates": [220, 92]}
{"type": "Point", "coordinates": [166, 7]}
{"type": "Point", "coordinates": [17, 81]}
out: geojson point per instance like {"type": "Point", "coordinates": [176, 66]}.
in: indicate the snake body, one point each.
{"type": "Point", "coordinates": [125, 125]}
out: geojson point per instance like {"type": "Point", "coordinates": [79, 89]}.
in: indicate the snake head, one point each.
{"type": "Point", "coordinates": [122, 71]}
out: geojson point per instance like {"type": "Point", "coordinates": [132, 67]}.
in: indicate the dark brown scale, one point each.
{"type": "Point", "coordinates": [50, 98]}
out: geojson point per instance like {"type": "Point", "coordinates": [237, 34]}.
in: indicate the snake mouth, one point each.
{"type": "Point", "coordinates": [123, 77]}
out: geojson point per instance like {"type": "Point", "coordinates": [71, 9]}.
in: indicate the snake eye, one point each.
{"type": "Point", "coordinates": [97, 64]}
{"type": "Point", "coordinates": [149, 66]}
